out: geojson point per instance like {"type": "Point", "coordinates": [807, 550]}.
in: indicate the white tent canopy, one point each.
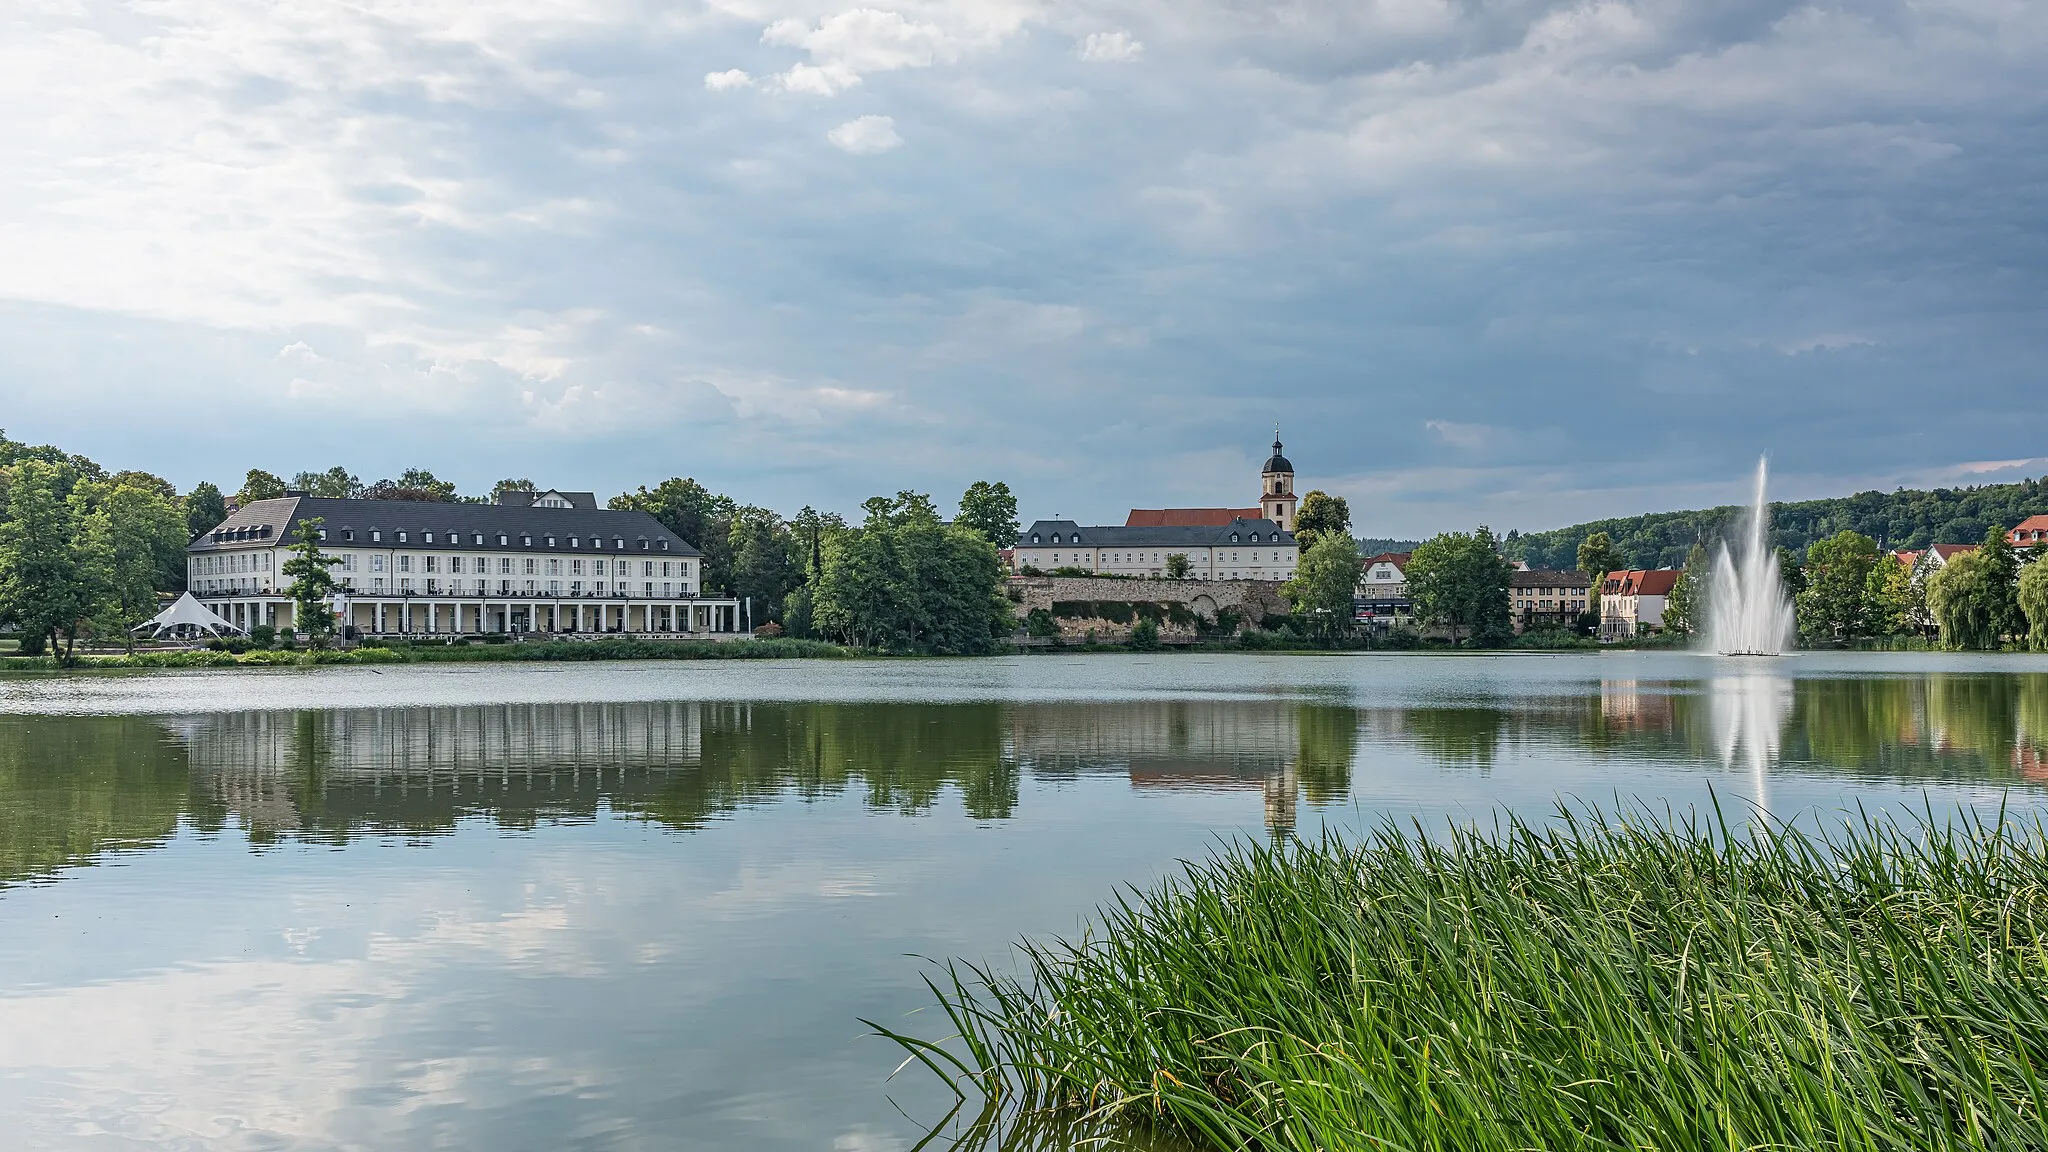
{"type": "Point", "coordinates": [185, 612]}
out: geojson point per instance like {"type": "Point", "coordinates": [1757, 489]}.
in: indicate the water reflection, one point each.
{"type": "Point", "coordinates": [1749, 712]}
{"type": "Point", "coordinates": [74, 787]}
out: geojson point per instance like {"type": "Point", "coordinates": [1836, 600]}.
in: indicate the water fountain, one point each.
{"type": "Point", "coordinates": [1748, 613]}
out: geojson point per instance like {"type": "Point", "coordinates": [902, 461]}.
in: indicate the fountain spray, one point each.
{"type": "Point", "coordinates": [1748, 613]}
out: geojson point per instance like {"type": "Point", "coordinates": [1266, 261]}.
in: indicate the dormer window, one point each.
{"type": "Point", "coordinates": [551, 541]}
{"type": "Point", "coordinates": [643, 543]}
{"type": "Point", "coordinates": [376, 535]}
{"type": "Point", "coordinates": [1233, 537]}
{"type": "Point", "coordinates": [619, 544]}
{"type": "Point", "coordinates": [401, 537]}
{"type": "Point", "coordinates": [664, 545]}
{"type": "Point", "coordinates": [428, 537]}
{"type": "Point", "coordinates": [501, 539]}
{"type": "Point", "coordinates": [348, 534]}
{"type": "Point", "coordinates": [526, 540]}
{"type": "Point", "coordinates": [1034, 537]}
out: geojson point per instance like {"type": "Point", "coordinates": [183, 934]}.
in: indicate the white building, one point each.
{"type": "Point", "coordinates": [1220, 543]}
{"type": "Point", "coordinates": [533, 562]}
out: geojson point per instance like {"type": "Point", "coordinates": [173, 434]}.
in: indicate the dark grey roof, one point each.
{"type": "Point", "coordinates": [277, 522]}
{"type": "Point", "coordinates": [1545, 578]}
{"type": "Point", "coordinates": [1169, 536]}
{"type": "Point", "coordinates": [1276, 462]}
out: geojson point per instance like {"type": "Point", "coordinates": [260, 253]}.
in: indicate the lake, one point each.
{"type": "Point", "coordinates": [626, 906]}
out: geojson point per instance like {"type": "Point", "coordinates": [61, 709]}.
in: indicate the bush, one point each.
{"type": "Point", "coordinates": [262, 635]}
{"type": "Point", "coordinates": [1039, 622]}
{"type": "Point", "coordinates": [288, 638]}
{"type": "Point", "coordinates": [1145, 636]}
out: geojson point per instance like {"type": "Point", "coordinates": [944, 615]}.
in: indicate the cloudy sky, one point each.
{"type": "Point", "coordinates": [1521, 262]}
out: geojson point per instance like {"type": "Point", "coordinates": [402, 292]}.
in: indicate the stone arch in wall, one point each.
{"type": "Point", "coordinates": [1203, 605]}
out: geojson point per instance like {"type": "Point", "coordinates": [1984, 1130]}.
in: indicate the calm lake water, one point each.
{"type": "Point", "coordinates": [644, 905]}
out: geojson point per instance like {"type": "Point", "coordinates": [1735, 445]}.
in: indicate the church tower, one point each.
{"type": "Point", "coordinates": [1276, 488]}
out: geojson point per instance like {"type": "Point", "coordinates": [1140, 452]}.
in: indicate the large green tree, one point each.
{"type": "Point", "coordinates": [134, 546]}
{"type": "Point", "coordinates": [416, 484]}
{"type": "Point", "coordinates": [205, 508]}
{"type": "Point", "coordinates": [2002, 574]}
{"type": "Point", "coordinates": [701, 517]}
{"type": "Point", "coordinates": [1597, 556]}
{"type": "Point", "coordinates": [312, 584]}
{"type": "Point", "coordinates": [904, 580]}
{"type": "Point", "coordinates": [1964, 598]}
{"type": "Point", "coordinates": [991, 510]}
{"type": "Point", "coordinates": [1324, 583]}
{"type": "Point", "coordinates": [1888, 599]}
{"type": "Point", "coordinates": [259, 485]}
{"type": "Point", "coordinates": [2033, 600]}
{"type": "Point", "coordinates": [44, 587]}
{"type": "Point", "coordinates": [337, 483]}
{"type": "Point", "coordinates": [767, 560]}
{"type": "Point", "coordinates": [1831, 608]}
{"type": "Point", "coordinates": [1686, 609]}
{"type": "Point", "coordinates": [1459, 581]}
{"type": "Point", "coordinates": [1321, 514]}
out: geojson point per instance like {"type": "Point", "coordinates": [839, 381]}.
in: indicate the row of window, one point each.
{"type": "Point", "coordinates": [434, 587]}
{"type": "Point", "coordinates": [1075, 538]}
{"type": "Point", "coordinates": [403, 536]}
{"type": "Point", "coordinates": [225, 562]}
{"type": "Point", "coordinates": [453, 565]}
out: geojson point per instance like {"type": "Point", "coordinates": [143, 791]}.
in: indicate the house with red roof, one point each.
{"type": "Point", "coordinates": [1381, 599]}
{"type": "Point", "coordinates": [1632, 602]}
{"type": "Point", "coordinates": [2029, 532]}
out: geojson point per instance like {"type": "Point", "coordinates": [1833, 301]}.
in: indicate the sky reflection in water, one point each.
{"type": "Point", "coordinates": [647, 911]}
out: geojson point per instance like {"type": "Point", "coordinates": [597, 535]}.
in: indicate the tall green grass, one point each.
{"type": "Point", "coordinates": [1636, 982]}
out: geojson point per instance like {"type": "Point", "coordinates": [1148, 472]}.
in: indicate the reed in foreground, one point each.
{"type": "Point", "coordinates": [1609, 983]}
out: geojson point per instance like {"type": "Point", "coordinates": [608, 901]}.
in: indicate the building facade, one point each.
{"type": "Point", "coordinates": [1219, 543]}
{"type": "Point", "coordinates": [1239, 550]}
{"type": "Point", "coordinates": [1548, 599]}
{"type": "Point", "coordinates": [533, 562]}
{"type": "Point", "coordinates": [1381, 600]}
{"type": "Point", "coordinates": [1632, 602]}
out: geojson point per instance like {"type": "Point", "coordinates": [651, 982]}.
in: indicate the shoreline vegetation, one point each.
{"type": "Point", "coordinates": [1596, 983]}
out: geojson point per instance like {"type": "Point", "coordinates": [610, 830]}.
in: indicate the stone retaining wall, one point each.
{"type": "Point", "coordinates": [1250, 600]}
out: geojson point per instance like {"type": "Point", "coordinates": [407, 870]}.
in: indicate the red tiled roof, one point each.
{"type": "Point", "coordinates": [1189, 517]}
{"type": "Point", "coordinates": [1908, 559]}
{"type": "Point", "coordinates": [1397, 559]}
{"type": "Point", "coordinates": [1641, 582]}
{"type": "Point", "coordinates": [2032, 530]}
{"type": "Point", "coordinates": [1947, 552]}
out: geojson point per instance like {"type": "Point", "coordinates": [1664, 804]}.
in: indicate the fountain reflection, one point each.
{"type": "Point", "coordinates": [1749, 712]}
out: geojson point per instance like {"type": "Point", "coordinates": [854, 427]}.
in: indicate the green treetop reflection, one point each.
{"type": "Point", "coordinates": [74, 788]}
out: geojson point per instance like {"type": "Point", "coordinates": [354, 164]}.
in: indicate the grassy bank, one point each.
{"type": "Point", "coordinates": [1605, 985]}
{"type": "Point", "coordinates": [559, 650]}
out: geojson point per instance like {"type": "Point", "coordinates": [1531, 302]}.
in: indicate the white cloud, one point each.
{"type": "Point", "coordinates": [1117, 47]}
{"type": "Point", "coordinates": [729, 79]}
{"type": "Point", "coordinates": [866, 135]}
{"type": "Point", "coordinates": [1471, 436]}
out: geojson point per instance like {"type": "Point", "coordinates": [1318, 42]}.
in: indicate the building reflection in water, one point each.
{"type": "Point", "coordinates": [422, 769]}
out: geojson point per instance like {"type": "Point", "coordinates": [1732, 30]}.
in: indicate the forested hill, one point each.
{"type": "Point", "coordinates": [1902, 519]}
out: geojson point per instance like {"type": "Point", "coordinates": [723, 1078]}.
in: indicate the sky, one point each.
{"type": "Point", "coordinates": [1520, 263]}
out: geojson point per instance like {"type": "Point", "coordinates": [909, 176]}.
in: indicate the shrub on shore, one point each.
{"type": "Point", "coordinates": [400, 653]}
{"type": "Point", "coordinates": [1605, 984]}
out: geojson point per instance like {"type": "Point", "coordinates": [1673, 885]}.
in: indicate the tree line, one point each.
{"type": "Point", "coordinates": [1903, 520]}
{"type": "Point", "coordinates": [85, 553]}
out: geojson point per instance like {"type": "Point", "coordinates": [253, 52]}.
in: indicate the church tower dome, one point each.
{"type": "Point", "coordinates": [1276, 487]}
